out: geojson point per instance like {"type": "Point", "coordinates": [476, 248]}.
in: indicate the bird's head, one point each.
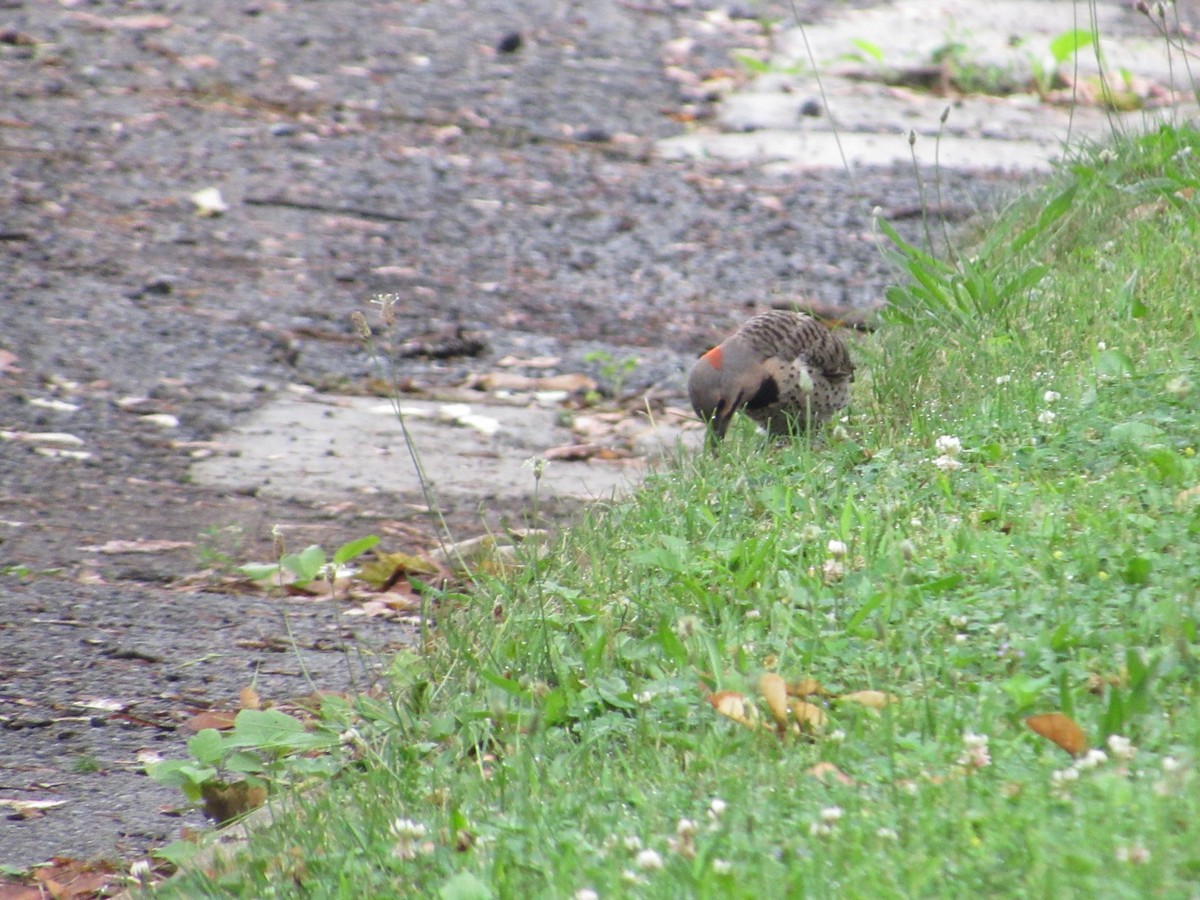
{"type": "Point", "coordinates": [725, 379]}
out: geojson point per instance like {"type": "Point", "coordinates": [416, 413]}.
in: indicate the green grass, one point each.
{"type": "Point", "coordinates": [558, 725]}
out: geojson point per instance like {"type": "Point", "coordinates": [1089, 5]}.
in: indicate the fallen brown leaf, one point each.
{"type": "Point", "coordinates": [733, 705]}
{"type": "Point", "coordinates": [508, 381]}
{"type": "Point", "coordinates": [823, 771]}
{"type": "Point", "coordinates": [212, 718]}
{"type": "Point", "coordinates": [774, 690]}
{"type": "Point", "coordinates": [1060, 729]}
{"type": "Point", "coordinates": [806, 687]}
{"type": "Point", "coordinates": [869, 699]}
{"type": "Point", "coordinates": [810, 719]}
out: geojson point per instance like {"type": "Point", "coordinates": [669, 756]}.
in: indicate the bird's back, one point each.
{"type": "Point", "coordinates": [791, 335]}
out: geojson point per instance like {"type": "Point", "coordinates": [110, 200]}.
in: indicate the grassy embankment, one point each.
{"type": "Point", "coordinates": [558, 735]}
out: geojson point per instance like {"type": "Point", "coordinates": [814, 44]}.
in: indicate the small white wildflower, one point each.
{"type": "Point", "coordinates": [1136, 855]}
{"type": "Point", "coordinates": [633, 843]}
{"type": "Point", "coordinates": [716, 807]}
{"type": "Point", "coordinates": [630, 877]}
{"type": "Point", "coordinates": [722, 866]}
{"type": "Point", "coordinates": [836, 548]}
{"type": "Point", "coordinates": [1003, 379]}
{"type": "Point", "coordinates": [140, 870]}
{"type": "Point", "coordinates": [947, 463]}
{"type": "Point", "coordinates": [586, 894]}
{"type": "Point", "coordinates": [407, 834]}
{"type": "Point", "coordinates": [1170, 764]}
{"type": "Point", "coordinates": [833, 570]}
{"type": "Point", "coordinates": [810, 533]}
{"type": "Point", "coordinates": [685, 828]}
{"type": "Point", "coordinates": [960, 638]}
{"type": "Point", "coordinates": [1047, 417]}
{"type": "Point", "coordinates": [753, 614]}
{"type": "Point", "coordinates": [1179, 386]}
{"type": "Point", "coordinates": [350, 738]}
{"type": "Point", "coordinates": [643, 698]}
{"type": "Point", "coordinates": [959, 621]}
{"type": "Point", "coordinates": [948, 445]}
{"type": "Point", "coordinates": [407, 828]}
{"type": "Point", "coordinates": [538, 465]}
{"type": "Point", "coordinates": [840, 433]}
{"type": "Point", "coordinates": [1051, 397]}
{"type": "Point", "coordinates": [887, 834]}
{"type": "Point", "coordinates": [1061, 779]}
{"type": "Point", "coordinates": [1122, 748]}
{"type": "Point", "coordinates": [649, 860]}
{"type": "Point", "coordinates": [975, 753]}
{"type": "Point", "coordinates": [1100, 345]}
{"type": "Point", "coordinates": [687, 626]}
{"type": "Point", "coordinates": [1093, 758]}
{"type": "Point", "coordinates": [837, 736]}
{"type": "Point", "coordinates": [831, 814]}
{"type": "Point", "coordinates": [817, 829]}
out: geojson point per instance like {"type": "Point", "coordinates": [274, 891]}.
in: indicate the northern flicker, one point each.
{"type": "Point", "coordinates": [785, 370]}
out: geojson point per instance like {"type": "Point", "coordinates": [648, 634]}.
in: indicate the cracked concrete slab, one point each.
{"type": "Point", "coordinates": [316, 447]}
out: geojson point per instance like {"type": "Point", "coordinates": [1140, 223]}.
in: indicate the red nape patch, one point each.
{"type": "Point", "coordinates": [714, 357]}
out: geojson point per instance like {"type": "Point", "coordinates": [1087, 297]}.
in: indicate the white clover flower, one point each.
{"type": "Point", "coordinates": [830, 815]}
{"type": "Point", "coordinates": [586, 894]}
{"type": "Point", "coordinates": [818, 829]}
{"type": "Point", "coordinates": [1061, 779]}
{"type": "Point", "coordinates": [1100, 345]}
{"type": "Point", "coordinates": [716, 807]}
{"type": "Point", "coordinates": [836, 548]}
{"type": "Point", "coordinates": [649, 860]}
{"type": "Point", "coordinates": [630, 877]}
{"type": "Point", "coordinates": [140, 870]}
{"type": "Point", "coordinates": [947, 463]}
{"type": "Point", "coordinates": [837, 736]}
{"type": "Point", "coordinates": [1136, 855]}
{"type": "Point", "coordinates": [632, 843]}
{"type": "Point", "coordinates": [643, 698]}
{"type": "Point", "coordinates": [685, 828]}
{"type": "Point", "coordinates": [975, 753]}
{"type": "Point", "coordinates": [1093, 758]}
{"type": "Point", "coordinates": [959, 621]}
{"type": "Point", "coordinates": [1051, 397]}
{"type": "Point", "coordinates": [722, 866]}
{"type": "Point", "coordinates": [1003, 379]}
{"type": "Point", "coordinates": [1179, 386]}
{"type": "Point", "coordinates": [407, 834]}
{"type": "Point", "coordinates": [407, 828]}
{"type": "Point", "coordinates": [833, 570]}
{"type": "Point", "coordinates": [810, 533]}
{"type": "Point", "coordinates": [1170, 764]}
{"type": "Point", "coordinates": [948, 445]}
{"type": "Point", "coordinates": [753, 614]}
{"type": "Point", "coordinates": [1046, 417]}
{"type": "Point", "coordinates": [1121, 747]}
{"type": "Point", "coordinates": [887, 834]}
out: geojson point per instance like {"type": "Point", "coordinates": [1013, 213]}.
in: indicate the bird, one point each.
{"type": "Point", "coordinates": [785, 370]}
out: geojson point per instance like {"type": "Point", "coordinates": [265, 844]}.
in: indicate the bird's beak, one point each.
{"type": "Point", "coordinates": [720, 422]}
